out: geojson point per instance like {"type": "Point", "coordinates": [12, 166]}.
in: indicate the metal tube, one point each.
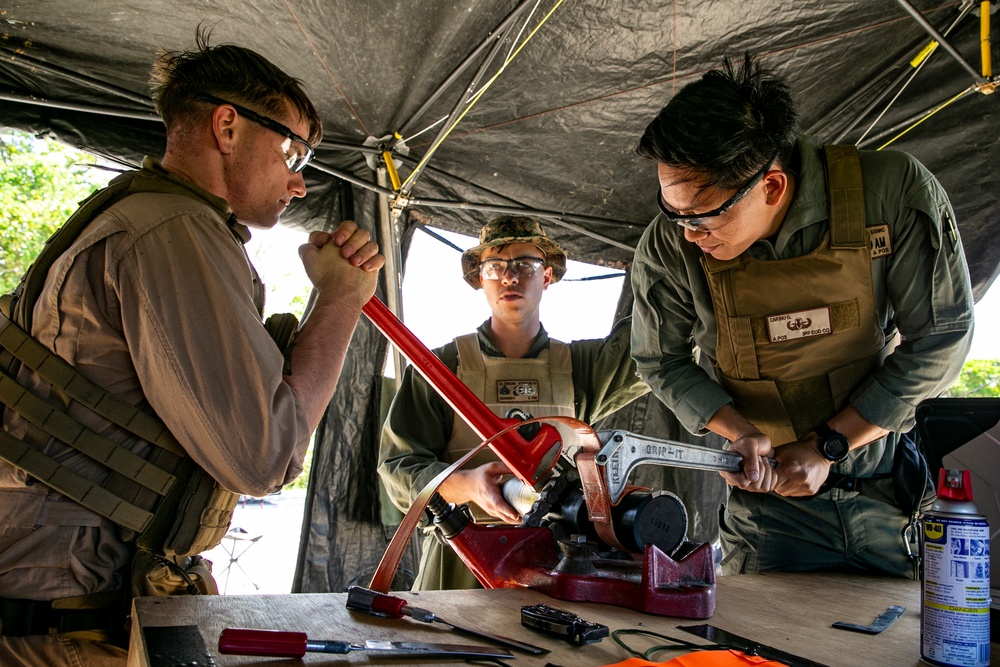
{"type": "Point", "coordinates": [351, 178]}
{"type": "Point", "coordinates": [34, 63]}
{"type": "Point", "coordinates": [84, 108]}
{"type": "Point", "coordinates": [561, 219]}
{"type": "Point", "coordinates": [919, 18]}
{"type": "Point", "coordinates": [984, 38]}
{"type": "Point", "coordinates": [456, 110]}
{"type": "Point", "coordinates": [495, 35]}
{"type": "Point", "coordinates": [908, 72]}
{"type": "Point", "coordinates": [393, 279]}
{"type": "Point", "coordinates": [903, 123]}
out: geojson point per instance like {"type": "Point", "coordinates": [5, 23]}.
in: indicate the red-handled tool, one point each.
{"type": "Point", "coordinates": [380, 604]}
{"type": "Point", "coordinates": [278, 644]}
{"type": "Point", "coordinates": [529, 461]}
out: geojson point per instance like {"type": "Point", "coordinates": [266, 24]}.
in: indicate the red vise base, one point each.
{"type": "Point", "coordinates": [512, 556]}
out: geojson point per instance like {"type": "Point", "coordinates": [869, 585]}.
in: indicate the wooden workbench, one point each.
{"type": "Point", "coordinates": [791, 612]}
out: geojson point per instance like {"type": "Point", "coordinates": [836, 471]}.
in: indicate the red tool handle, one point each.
{"type": "Point", "coordinates": [373, 602]}
{"type": "Point", "coordinates": [234, 641]}
{"type": "Point", "coordinates": [529, 461]}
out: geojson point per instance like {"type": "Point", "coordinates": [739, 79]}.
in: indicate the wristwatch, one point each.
{"type": "Point", "coordinates": [833, 446]}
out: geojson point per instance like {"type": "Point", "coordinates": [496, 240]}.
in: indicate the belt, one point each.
{"type": "Point", "coordinates": [96, 612]}
{"type": "Point", "coordinates": [877, 487]}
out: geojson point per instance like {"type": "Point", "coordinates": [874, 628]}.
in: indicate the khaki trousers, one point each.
{"type": "Point", "coordinates": [441, 569]}
{"type": "Point", "coordinates": [59, 651]}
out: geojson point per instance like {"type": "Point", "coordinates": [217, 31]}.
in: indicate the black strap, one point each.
{"type": "Point", "coordinates": [873, 487]}
{"type": "Point", "coordinates": [20, 618]}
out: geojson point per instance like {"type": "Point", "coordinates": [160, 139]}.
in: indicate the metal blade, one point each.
{"type": "Point", "coordinates": [881, 622]}
{"type": "Point", "coordinates": [499, 639]}
{"type": "Point", "coordinates": [427, 649]}
{"type": "Point", "coordinates": [748, 646]}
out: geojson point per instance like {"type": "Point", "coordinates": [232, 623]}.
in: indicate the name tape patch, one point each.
{"type": "Point", "coordinates": [517, 391]}
{"type": "Point", "coordinates": [879, 243]}
{"type": "Point", "coordinates": [800, 324]}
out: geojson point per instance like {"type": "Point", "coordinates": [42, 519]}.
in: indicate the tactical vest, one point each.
{"type": "Point", "coordinates": [542, 387]}
{"type": "Point", "coordinates": [163, 501]}
{"type": "Point", "coordinates": [797, 336]}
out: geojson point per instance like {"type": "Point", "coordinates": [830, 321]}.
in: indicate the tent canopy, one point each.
{"type": "Point", "coordinates": [569, 87]}
{"type": "Point", "coordinates": [555, 130]}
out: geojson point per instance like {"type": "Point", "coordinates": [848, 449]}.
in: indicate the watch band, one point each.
{"type": "Point", "coordinates": [826, 435]}
{"type": "Point", "coordinates": [825, 432]}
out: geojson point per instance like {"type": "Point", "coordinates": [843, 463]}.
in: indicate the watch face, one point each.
{"type": "Point", "coordinates": [836, 447]}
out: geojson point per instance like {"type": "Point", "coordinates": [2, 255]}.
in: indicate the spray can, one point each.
{"type": "Point", "coordinates": [955, 586]}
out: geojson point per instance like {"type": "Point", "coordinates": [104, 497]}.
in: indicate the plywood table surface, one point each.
{"type": "Point", "coordinates": [791, 612]}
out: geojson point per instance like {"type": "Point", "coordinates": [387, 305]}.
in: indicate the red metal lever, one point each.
{"type": "Point", "coordinates": [530, 461]}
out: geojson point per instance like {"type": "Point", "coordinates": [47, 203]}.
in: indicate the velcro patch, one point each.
{"type": "Point", "coordinates": [517, 391]}
{"type": "Point", "coordinates": [879, 243]}
{"type": "Point", "coordinates": [800, 324]}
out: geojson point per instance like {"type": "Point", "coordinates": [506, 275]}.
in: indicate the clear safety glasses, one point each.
{"type": "Point", "coordinates": [522, 267]}
{"type": "Point", "coordinates": [297, 150]}
{"type": "Point", "coordinates": [702, 222]}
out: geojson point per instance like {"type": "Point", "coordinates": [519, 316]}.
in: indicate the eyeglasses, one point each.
{"type": "Point", "coordinates": [522, 267]}
{"type": "Point", "coordinates": [297, 150]}
{"type": "Point", "coordinates": [699, 221]}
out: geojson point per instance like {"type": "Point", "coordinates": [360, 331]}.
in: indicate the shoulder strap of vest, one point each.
{"type": "Point", "coordinates": [18, 306]}
{"type": "Point", "coordinates": [847, 197]}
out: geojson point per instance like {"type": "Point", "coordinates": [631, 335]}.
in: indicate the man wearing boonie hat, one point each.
{"type": "Point", "coordinates": [509, 362]}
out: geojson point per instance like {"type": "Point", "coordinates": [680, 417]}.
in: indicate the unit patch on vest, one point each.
{"type": "Point", "coordinates": [800, 324]}
{"type": "Point", "coordinates": [879, 243]}
{"type": "Point", "coordinates": [517, 391]}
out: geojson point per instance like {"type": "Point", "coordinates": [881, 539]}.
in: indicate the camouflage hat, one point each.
{"type": "Point", "coordinates": [509, 229]}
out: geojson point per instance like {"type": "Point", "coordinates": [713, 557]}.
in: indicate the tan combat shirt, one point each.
{"type": "Point", "coordinates": [158, 303]}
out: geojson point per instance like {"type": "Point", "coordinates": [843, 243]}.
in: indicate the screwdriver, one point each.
{"type": "Point", "coordinates": [380, 604]}
{"type": "Point", "coordinates": [278, 644]}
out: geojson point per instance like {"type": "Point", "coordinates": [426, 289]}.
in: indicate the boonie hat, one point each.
{"type": "Point", "coordinates": [509, 229]}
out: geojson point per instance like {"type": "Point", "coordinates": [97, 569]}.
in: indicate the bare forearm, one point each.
{"type": "Point", "coordinates": [858, 430]}
{"type": "Point", "coordinates": [319, 353]}
{"type": "Point", "coordinates": [730, 424]}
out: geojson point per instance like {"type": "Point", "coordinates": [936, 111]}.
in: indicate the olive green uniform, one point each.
{"type": "Point", "coordinates": [919, 287]}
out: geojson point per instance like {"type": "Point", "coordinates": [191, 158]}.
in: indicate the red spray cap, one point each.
{"type": "Point", "coordinates": [954, 484]}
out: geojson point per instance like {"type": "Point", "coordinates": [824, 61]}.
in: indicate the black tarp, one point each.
{"type": "Point", "coordinates": [555, 131]}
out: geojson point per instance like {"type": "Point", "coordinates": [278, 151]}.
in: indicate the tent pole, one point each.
{"type": "Point", "coordinates": [561, 219]}
{"type": "Point", "coordinates": [83, 108]}
{"type": "Point", "coordinates": [28, 62]}
{"type": "Point", "coordinates": [391, 271]}
{"type": "Point", "coordinates": [495, 35]}
{"type": "Point", "coordinates": [932, 31]}
{"type": "Point", "coordinates": [903, 123]}
{"type": "Point", "coordinates": [907, 73]}
{"type": "Point", "coordinates": [460, 103]}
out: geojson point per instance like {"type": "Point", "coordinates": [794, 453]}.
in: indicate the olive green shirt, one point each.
{"type": "Point", "coordinates": [418, 426]}
{"type": "Point", "coordinates": [922, 289]}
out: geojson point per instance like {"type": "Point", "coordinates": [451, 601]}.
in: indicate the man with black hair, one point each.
{"type": "Point", "coordinates": [830, 293]}
{"type": "Point", "coordinates": [509, 362]}
{"type": "Point", "coordinates": [153, 303]}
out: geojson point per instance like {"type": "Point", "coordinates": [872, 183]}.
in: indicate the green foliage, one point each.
{"type": "Point", "coordinates": [980, 378]}
{"type": "Point", "coordinates": [275, 254]}
{"type": "Point", "coordinates": [43, 182]}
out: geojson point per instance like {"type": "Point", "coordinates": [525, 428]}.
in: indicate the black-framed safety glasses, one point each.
{"type": "Point", "coordinates": [297, 150]}
{"type": "Point", "coordinates": [522, 267]}
{"type": "Point", "coordinates": [698, 221]}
